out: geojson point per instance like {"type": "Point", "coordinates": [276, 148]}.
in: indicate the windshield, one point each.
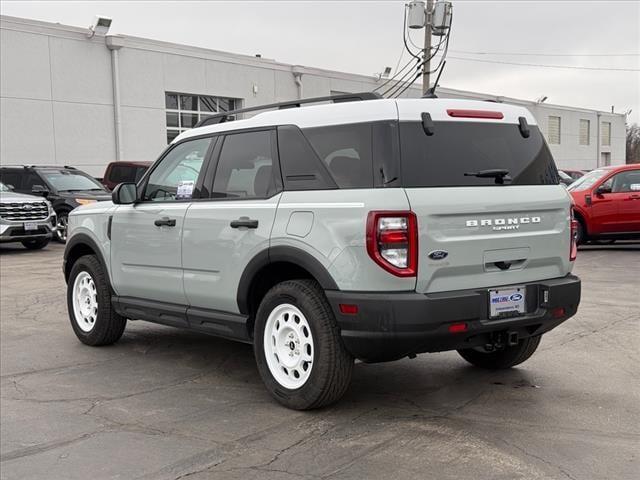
{"type": "Point", "coordinates": [587, 181]}
{"type": "Point", "coordinates": [464, 154]}
{"type": "Point", "coordinates": [4, 188]}
{"type": "Point", "coordinates": [69, 180]}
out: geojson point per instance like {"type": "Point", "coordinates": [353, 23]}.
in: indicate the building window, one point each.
{"type": "Point", "coordinates": [185, 110]}
{"type": "Point", "coordinates": [585, 128]}
{"type": "Point", "coordinates": [606, 134]}
{"type": "Point", "coordinates": [606, 159]}
{"type": "Point", "coordinates": [554, 130]}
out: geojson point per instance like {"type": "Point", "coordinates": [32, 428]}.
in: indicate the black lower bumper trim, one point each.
{"type": "Point", "coordinates": [393, 325]}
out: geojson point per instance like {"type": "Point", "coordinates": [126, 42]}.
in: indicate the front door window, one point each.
{"type": "Point", "coordinates": [175, 178]}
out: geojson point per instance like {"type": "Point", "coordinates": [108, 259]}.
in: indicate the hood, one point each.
{"type": "Point", "coordinates": [99, 196]}
{"type": "Point", "coordinates": [13, 197]}
{"type": "Point", "coordinates": [93, 208]}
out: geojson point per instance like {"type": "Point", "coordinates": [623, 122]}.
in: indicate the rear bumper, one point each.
{"type": "Point", "coordinates": [393, 325]}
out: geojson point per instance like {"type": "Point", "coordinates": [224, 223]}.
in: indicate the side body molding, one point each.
{"type": "Point", "coordinates": [78, 243]}
{"type": "Point", "coordinates": [281, 253]}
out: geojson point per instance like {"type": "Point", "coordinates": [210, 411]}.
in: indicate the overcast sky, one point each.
{"type": "Point", "coordinates": [364, 37]}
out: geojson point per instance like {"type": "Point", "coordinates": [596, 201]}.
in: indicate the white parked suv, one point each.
{"type": "Point", "coordinates": [27, 219]}
{"type": "Point", "coordinates": [363, 228]}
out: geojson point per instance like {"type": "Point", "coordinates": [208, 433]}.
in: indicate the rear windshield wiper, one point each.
{"type": "Point", "coordinates": [499, 174]}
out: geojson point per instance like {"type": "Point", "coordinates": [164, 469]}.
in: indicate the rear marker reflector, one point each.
{"type": "Point", "coordinates": [475, 114]}
{"type": "Point", "coordinates": [557, 312]}
{"type": "Point", "coordinates": [457, 327]}
{"type": "Point", "coordinates": [348, 309]}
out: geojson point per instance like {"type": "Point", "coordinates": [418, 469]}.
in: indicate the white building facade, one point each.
{"type": "Point", "coordinates": [67, 99]}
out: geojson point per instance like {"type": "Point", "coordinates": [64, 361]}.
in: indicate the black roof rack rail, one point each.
{"type": "Point", "coordinates": [344, 97]}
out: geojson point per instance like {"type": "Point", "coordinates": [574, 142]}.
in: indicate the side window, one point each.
{"type": "Point", "coordinates": [29, 180]}
{"type": "Point", "coordinates": [622, 181]}
{"type": "Point", "coordinates": [121, 174]}
{"type": "Point", "coordinates": [301, 167]}
{"type": "Point", "coordinates": [176, 175]}
{"type": "Point", "coordinates": [606, 186]}
{"type": "Point", "coordinates": [11, 177]}
{"type": "Point", "coordinates": [346, 151]}
{"type": "Point", "coordinates": [245, 167]}
{"type": "Point", "coordinates": [139, 174]}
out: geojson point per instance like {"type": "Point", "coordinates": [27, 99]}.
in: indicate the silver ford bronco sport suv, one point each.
{"type": "Point", "coordinates": [360, 228]}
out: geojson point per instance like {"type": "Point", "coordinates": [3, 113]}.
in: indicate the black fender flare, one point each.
{"type": "Point", "coordinates": [281, 253]}
{"type": "Point", "coordinates": [83, 239]}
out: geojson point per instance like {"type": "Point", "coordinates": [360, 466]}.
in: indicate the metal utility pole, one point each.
{"type": "Point", "coordinates": [426, 67]}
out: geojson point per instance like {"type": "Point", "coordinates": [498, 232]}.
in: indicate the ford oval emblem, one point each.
{"type": "Point", "coordinates": [516, 297]}
{"type": "Point", "coordinates": [438, 255]}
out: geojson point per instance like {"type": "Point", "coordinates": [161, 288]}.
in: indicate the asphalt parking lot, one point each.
{"type": "Point", "coordinates": [169, 404]}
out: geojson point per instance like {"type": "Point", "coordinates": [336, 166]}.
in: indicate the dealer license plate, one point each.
{"type": "Point", "coordinates": [506, 301]}
{"type": "Point", "coordinates": [30, 226]}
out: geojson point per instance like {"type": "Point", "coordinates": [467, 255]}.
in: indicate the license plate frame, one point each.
{"type": "Point", "coordinates": [507, 301]}
{"type": "Point", "coordinates": [30, 226]}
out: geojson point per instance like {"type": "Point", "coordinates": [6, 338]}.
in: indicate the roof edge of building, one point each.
{"type": "Point", "coordinates": [230, 57]}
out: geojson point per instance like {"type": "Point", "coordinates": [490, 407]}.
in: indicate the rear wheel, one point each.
{"type": "Point", "coordinates": [89, 304]}
{"type": "Point", "coordinates": [298, 347]}
{"type": "Point", "coordinates": [499, 359]}
{"type": "Point", "coordinates": [36, 243]}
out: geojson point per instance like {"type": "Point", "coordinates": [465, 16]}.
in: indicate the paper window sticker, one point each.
{"type": "Point", "coordinates": [185, 189]}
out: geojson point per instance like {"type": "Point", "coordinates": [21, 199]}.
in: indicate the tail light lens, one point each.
{"type": "Point", "coordinates": [573, 253]}
{"type": "Point", "coordinates": [392, 242]}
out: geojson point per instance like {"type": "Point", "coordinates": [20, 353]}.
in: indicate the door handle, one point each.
{"type": "Point", "coordinates": [635, 197]}
{"type": "Point", "coordinates": [244, 222]}
{"type": "Point", "coordinates": [165, 222]}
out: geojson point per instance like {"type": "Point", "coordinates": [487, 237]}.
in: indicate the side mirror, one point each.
{"type": "Point", "coordinates": [124, 194]}
{"type": "Point", "coordinates": [40, 190]}
{"type": "Point", "coordinates": [602, 189]}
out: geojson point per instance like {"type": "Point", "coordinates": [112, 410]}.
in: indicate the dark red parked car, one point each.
{"type": "Point", "coordinates": [607, 203]}
{"type": "Point", "coordinates": [121, 172]}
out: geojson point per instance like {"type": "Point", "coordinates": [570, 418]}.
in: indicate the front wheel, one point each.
{"type": "Point", "coordinates": [93, 319]}
{"type": "Point", "coordinates": [36, 243]}
{"type": "Point", "coordinates": [500, 359]}
{"type": "Point", "coordinates": [298, 348]}
{"type": "Point", "coordinates": [61, 227]}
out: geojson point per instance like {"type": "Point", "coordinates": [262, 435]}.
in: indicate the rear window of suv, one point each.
{"type": "Point", "coordinates": [456, 148]}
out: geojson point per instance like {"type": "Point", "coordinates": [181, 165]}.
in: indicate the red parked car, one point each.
{"type": "Point", "coordinates": [607, 203]}
{"type": "Point", "coordinates": [121, 172]}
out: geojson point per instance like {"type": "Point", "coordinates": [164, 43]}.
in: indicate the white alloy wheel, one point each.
{"type": "Point", "coordinates": [288, 346]}
{"type": "Point", "coordinates": [85, 301]}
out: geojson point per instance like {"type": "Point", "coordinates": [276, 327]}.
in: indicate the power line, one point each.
{"type": "Point", "coordinates": [395, 75]}
{"type": "Point", "coordinates": [551, 54]}
{"type": "Point", "coordinates": [548, 66]}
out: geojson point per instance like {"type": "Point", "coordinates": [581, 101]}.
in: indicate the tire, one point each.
{"type": "Point", "coordinates": [101, 325]}
{"type": "Point", "coordinates": [61, 226]}
{"type": "Point", "coordinates": [330, 366]}
{"type": "Point", "coordinates": [501, 359]}
{"type": "Point", "coordinates": [36, 243]}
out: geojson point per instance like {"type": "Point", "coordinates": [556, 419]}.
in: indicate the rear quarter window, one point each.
{"type": "Point", "coordinates": [456, 148]}
{"type": "Point", "coordinates": [346, 152]}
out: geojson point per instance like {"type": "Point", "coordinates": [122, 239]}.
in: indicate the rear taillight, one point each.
{"type": "Point", "coordinates": [573, 252]}
{"type": "Point", "coordinates": [392, 241]}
